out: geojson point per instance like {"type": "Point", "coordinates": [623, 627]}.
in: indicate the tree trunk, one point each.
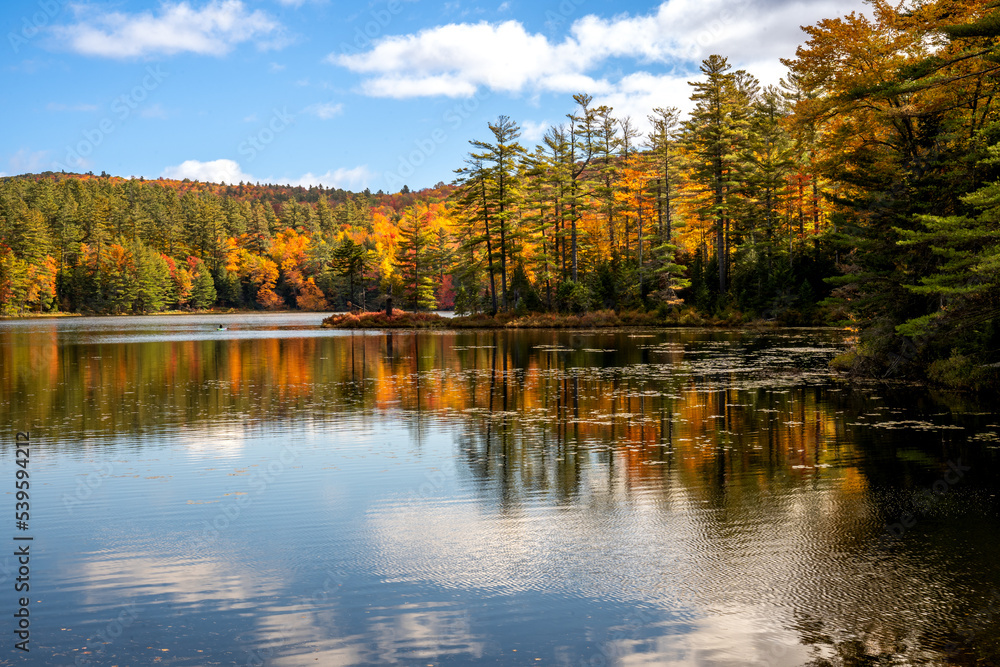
{"type": "Point", "coordinates": [489, 251]}
{"type": "Point", "coordinates": [720, 232]}
{"type": "Point", "coordinates": [573, 234]}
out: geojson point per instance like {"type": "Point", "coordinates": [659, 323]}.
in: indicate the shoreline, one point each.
{"type": "Point", "coordinates": [168, 313]}
{"type": "Point", "coordinates": [605, 319]}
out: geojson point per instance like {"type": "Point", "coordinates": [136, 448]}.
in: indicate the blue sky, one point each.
{"type": "Point", "coordinates": [349, 95]}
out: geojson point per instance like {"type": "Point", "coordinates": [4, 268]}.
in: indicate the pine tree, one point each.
{"type": "Point", "coordinates": [350, 259]}
{"type": "Point", "coordinates": [203, 287]}
{"type": "Point", "coordinates": [415, 258]}
{"type": "Point", "coordinates": [13, 282]}
{"type": "Point", "coordinates": [581, 152]}
{"type": "Point", "coordinates": [763, 165]}
{"type": "Point", "coordinates": [119, 271]}
{"type": "Point", "coordinates": [475, 206]}
{"type": "Point", "coordinates": [503, 154]}
{"type": "Point", "coordinates": [663, 144]}
{"type": "Point", "coordinates": [66, 233]}
{"type": "Point", "coordinates": [541, 216]}
{"type": "Point", "coordinates": [965, 283]}
{"type": "Point", "coordinates": [606, 146]}
{"type": "Point", "coordinates": [324, 217]}
{"type": "Point", "coordinates": [258, 229]}
{"type": "Point", "coordinates": [236, 218]}
{"type": "Point", "coordinates": [152, 278]}
{"type": "Point", "coordinates": [628, 156]}
{"type": "Point", "coordinates": [559, 152]}
{"type": "Point", "coordinates": [713, 132]}
{"type": "Point", "coordinates": [899, 115]}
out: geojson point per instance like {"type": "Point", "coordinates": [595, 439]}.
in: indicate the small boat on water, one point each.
{"type": "Point", "coordinates": [221, 328]}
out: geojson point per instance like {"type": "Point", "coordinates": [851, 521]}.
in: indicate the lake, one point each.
{"type": "Point", "coordinates": [281, 494]}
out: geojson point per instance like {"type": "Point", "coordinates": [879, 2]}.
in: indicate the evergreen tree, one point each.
{"type": "Point", "coordinates": [900, 130]}
{"type": "Point", "coordinates": [475, 206]}
{"type": "Point", "coordinates": [559, 179]}
{"type": "Point", "coordinates": [581, 152]}
{"type": "Point", "coordinates": [324, 217]}
{"type": "Point", "coordinates": [606, 146]}
{"type": "Point", "coordinates": [415, 257]}
{"type": "Point", "coordinates": [258, 228]}
{"type": "Point", "coordinates": [152, 280]}
{"type": "Point", "coordinates": [13, 282]}
{"type": "Point", "coordinates": [540, 217]}
{"type": "Point", "coordinates": [236, 219]}
{"type": "Point", "coordinates": [119, 276]}
{"type": "Point", "coordinates": [965, 283]}
{"type": "Point", "coordinates": [203, 293]}
{"type": "Point", "coordinates": [350, 260]}
{"type": "Point", "coordinates": [712, 134]}
{"type": "Point", "coordinates": [504, 154]}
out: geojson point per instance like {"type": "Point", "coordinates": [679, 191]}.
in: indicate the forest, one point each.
{"type": "Point", "coordinates": [863, 191]}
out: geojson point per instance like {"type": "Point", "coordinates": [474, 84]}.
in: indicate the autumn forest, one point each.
{"type": "Point", "coordinates": [863, 191]}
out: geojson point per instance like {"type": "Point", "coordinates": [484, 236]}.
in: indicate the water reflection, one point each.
{"type": "Point", "coordinates": [288, 495]}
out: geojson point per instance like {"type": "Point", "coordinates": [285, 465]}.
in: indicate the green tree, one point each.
{"type": "Point", "coordinates": [152, 280]}
{"type": "Point", "coordinates": [606, 145]}
{"type": "Point", "coordinates": [504, 153]}
{"type": "Point", "coordinates": [475, 206]}
{"type": "Point", "coordinates": [902, 117]}
{"type": "Point", "coordinates": [203, 293]}
{"type": "Point", "coordinates": [965, 282]}
{"type": "Point", "coordinates": [415, 258]}
{"type": "Point", "coordinates": [713, 132]}
{"type": "Point", "coordinates": [13, 282]}
{"type": "Point", "coordinates": [350, 260]}
{"type": "Point", "coordinates": [581, 153]}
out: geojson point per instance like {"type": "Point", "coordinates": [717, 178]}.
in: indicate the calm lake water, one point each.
{"type": "Point", "coordinates": [285, 495]}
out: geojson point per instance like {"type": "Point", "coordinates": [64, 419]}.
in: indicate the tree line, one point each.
{"type": "Point", "coordinates": [111, 245]}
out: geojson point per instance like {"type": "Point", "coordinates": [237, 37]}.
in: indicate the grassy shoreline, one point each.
{"type": "Point", "coordinates": [604, 319]}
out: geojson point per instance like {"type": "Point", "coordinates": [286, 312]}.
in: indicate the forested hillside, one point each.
{"type": "Point", "coordinates": [109, 245]}
{"type": "Point", "coordinates": [864, 190]}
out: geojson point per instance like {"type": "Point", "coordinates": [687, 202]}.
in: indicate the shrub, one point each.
{"type": "Point", "coordinates": [961, 372]}
{"type": "Point", "coordinates": [378, 320]}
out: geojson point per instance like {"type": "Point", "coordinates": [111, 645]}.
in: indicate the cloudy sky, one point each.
{"type": "Point", "coordinates": [351, 95]}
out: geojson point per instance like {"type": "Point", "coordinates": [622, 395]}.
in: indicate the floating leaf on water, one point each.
{"type": "Point", "coordinates": [912, 424]}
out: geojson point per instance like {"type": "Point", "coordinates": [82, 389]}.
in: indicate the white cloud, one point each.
{"type": "Point", "coordinates": [52, 106]}
{"type": "Point", "coordinates": [534, 132]}
{"type": "Point", "coordinates": [355, 179]}
{"type": "Point", "coordinates": [636, 95]}
{"type": "Point", "coordinates": [324, 110]}
{"type": "Point", "coordinates": [215, 171]}
{"type": "Point", "coordinates": [229, 171]}
{"type": "Point", "coordinates": [428, 86]}
{"type": "Point", "coordinates": [214, 29]}
{"type": "Point", "coordinates": [573, 83]}
{"type": "Point", "coordinates": [275, 67]}
{"type": "Point", "coordinates": [29, 162]}
{"type": "Point", "coordinates": [456, 59]}
{"type": "Point", "coordinates": [459, 58]}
